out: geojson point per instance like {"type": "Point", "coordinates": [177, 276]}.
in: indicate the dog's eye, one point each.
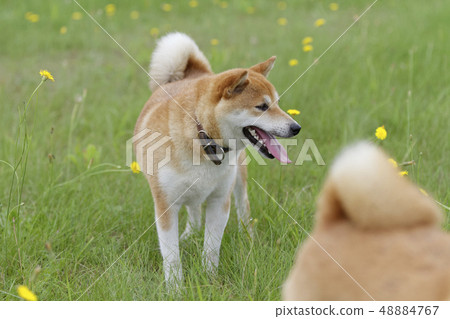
{"type": "Point", "coordinates": [262, 107]}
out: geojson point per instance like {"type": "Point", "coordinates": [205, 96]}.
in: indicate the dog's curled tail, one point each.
{"type": "Point", "coordinates": [176, 57]}
{"type": "Point", "coordinates": [365, 187]}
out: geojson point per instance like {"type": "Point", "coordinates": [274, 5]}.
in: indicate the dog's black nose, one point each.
{"type": "Point", "coordinates": [295, 128]}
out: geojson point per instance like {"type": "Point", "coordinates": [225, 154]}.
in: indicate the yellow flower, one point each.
{"type": "Point", "coordinates": [423, 191]}
{"type": "Point", "coordinates": [393, 162]}
{"type": "Point", "coordinates": [293, 62]}
{"type": "Point", "coordinates": [381, 133]}
{"type": "Point", "coordinates": [46, 75]}
{"type": "Point", "coordinates": [77, 15]}
{"type": "Point", "coordinates": [134, 15]}
{"type": "Point", "coordinates": [214, 42]}
{"type": "Point", "coordinates": [319, 22]}
{"type": "Point", "coordinates": [307, 40]}
{"type": "Point", "coordinates": [154, 32]}
{"type": "Point", "coordinates": [307, 48]}
{"type": "Point", "coordinates": [293, 112]}
{"type": "Point", "coordinates": [281, 5]}
{"type": "Point", "coordinates": [403, 173]}
{"type": "Point", "coordinates": [110, 9]}
{"type": "Point", "coordinates": [250, 10]}
{"type": "Point", "coordinates": [223, 4]}
{"type": "Point", "coordinates": [282, 21]}
{"type": "Point", "coordinates": [32, 17]}
{"type": "Point", "coordinates": [26, 293]}
{"type": "Point", "coordinates": [193, 3]}
{"type": "Point", "coordinates": [334, 6]}
{"type": "Point", "coordinates": [135, 167]}
{"type": "Point", "coordinates": [166, 7]}
{"type": "Point", "coordinates": [63, 30]}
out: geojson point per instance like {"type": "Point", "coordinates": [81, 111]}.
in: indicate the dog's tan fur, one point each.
{"type": "Point", "coordinates": [198, 94]}
{"type": "Point", "coordinates": [381, 229]}
{"type": "Point", "coordinates": [187, 94]}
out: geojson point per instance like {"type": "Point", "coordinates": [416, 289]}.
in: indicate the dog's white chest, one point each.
{"type": "Point", "coordinates": [195, 185]}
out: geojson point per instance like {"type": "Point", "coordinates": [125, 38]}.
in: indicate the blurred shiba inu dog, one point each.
{"type": "Point", "coordinates": [380, 228]}
{"type": "Point", "coordinates": [213, 114]}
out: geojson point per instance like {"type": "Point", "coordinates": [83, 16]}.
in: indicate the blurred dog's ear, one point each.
{"type": "Point", "coordinates": [330, 209]}
{"type": "Point", "coordinates": [365, 188]}
{"type": "Point", "coordinates": [264, 67]}
{"type": "Point", "coordinates": [238, 83]}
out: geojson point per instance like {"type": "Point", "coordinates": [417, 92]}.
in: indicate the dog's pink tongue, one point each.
{"type": "Point", "coordinates": [274, 147]}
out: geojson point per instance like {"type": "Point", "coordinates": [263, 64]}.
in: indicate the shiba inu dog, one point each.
{"type": "Point", "coordinates": [210, 115]}
{"type": "Point", "coordinates": [380, 228]}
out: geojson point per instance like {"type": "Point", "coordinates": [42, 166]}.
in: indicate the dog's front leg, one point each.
{"type": "Point", "coordinates": [217, 213]}
{"type": "Point", "coordinates": [167, 226]}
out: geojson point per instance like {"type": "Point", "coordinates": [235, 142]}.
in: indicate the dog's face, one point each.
{"type": "Point", "coordinates": [248, 109]}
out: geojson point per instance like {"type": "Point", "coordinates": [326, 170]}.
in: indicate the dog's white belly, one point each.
{"type": "Point", "coordinates": [194, 186]}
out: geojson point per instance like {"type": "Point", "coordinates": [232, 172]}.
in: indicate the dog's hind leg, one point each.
{"type": "Point", "coordinates": [194, 221]}
{"type": "Point", "coordinates": [241, 198]}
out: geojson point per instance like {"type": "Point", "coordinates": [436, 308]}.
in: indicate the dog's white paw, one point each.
{"type": "Point", "coordinates": [210, 263]}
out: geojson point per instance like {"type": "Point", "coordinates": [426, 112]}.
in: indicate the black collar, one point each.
{"type": "Point", "coordinates": [214, 151]}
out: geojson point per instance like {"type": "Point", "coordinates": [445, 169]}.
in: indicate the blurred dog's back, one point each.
{"type": "Point", "coordinates": [382, 232]}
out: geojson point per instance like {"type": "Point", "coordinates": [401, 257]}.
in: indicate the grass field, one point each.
{"type": "Point", "coordinates": [81, 211]}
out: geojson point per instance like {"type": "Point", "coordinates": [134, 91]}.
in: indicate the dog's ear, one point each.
{"type": "Point", "coordinates": [264, 67]}
{"type": "Point", "coordinates": [238, 83]}
{"type": "Point", "coordinates": [365, 188]}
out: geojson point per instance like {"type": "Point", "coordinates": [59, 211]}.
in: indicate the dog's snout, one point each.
{"type": "Point", "coordinates": [295, 129]}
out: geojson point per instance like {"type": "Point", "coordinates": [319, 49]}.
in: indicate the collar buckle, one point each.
{"type": "Point", "coordinates": [214, 151]}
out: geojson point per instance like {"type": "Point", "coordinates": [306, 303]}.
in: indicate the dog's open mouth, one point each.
{"type": "Point", "coordinates": [266, 143]}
